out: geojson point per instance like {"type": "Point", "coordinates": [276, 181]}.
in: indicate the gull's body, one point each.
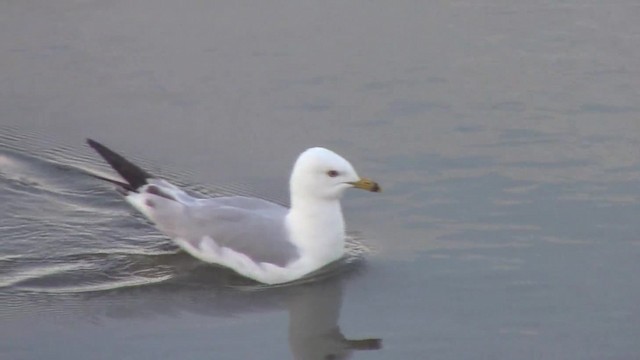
{"type": "Point", "coordinates": [258, 239]}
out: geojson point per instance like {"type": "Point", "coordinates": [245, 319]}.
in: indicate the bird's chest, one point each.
{"type": "Point", "coordinates": [320, 236]}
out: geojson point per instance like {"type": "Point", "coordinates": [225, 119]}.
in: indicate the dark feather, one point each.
{"type": "Point", "coordinates": [135, 176]}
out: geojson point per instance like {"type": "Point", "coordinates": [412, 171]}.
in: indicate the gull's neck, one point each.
{"type": "Point", "coordinates": [316, 226]}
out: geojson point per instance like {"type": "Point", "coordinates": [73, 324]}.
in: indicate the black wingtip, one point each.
{"type": "Point", "coordinates": [135, 176]}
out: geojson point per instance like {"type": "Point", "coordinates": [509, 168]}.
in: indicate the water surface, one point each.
{"type": "Point", "coordinates": [505, 136]}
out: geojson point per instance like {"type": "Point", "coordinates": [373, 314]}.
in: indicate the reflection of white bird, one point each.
{"type": "Point", "coordinates": [314, 332]}
{"type": "Point", "coordinates": [256, 238]}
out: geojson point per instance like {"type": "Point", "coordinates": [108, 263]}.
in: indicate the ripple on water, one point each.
{"type": "Point", "coordinates": [112, 270]}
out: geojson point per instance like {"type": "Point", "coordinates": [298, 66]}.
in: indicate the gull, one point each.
{"type": "Point", "coordinates": [258, 239]}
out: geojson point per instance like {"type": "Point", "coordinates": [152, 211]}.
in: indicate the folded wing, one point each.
{"type": "Point", "coordinates": [206, 228]}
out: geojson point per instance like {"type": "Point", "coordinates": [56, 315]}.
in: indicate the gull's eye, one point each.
{"type": "Point", "coordinates": [332, 173]}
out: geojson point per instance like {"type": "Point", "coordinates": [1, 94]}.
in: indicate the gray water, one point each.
{"type": "Point", "coordinates": [505, 135]}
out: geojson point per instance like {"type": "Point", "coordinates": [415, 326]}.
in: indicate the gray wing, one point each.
{"type": "Point", "coordinates": [250, 226]}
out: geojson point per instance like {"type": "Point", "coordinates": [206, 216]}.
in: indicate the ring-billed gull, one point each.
{"type": "Point", "coordinates": [256, 238]}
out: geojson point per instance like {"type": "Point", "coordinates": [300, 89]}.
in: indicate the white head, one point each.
{"type": "Point", "coordinates": [321, 173]}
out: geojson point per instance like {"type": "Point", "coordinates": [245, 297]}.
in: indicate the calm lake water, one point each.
{"type": "Point", "coordinates": [505, 135]}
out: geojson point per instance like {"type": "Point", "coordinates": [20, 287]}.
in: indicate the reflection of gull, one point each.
{"type": "Point", "coordinates": [256, 238]}
{"type": "Point", "coordinates": [173, 316]}
{"type": "Point", "coordinates": [313, 325]}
